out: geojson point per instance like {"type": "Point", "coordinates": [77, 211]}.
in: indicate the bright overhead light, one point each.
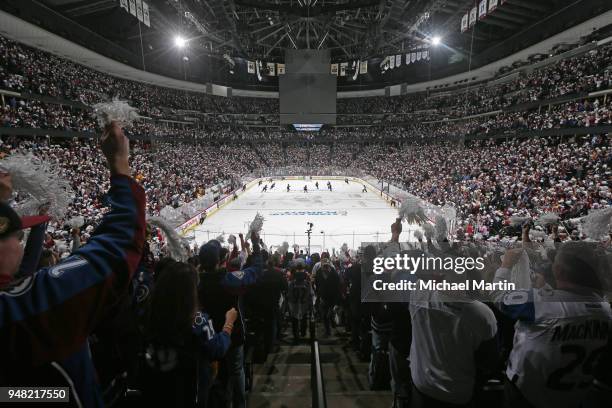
{"type": "Point", "coordinates": [436, 40]}
{"type": "Point", "coordinates": [179, 41]}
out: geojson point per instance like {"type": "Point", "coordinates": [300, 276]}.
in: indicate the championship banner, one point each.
{"type": "Point", "coordinates": [363, 67]}
{"type": "Point", "coordinates": [482, 9]}
{"type": "Point", "coordinates": [280, 69]}
{"type": "Point", "coordinates": [413, 57]}
{"type": "Point", "coordinates": [271, 68]}
{"type": "Point", "coordinates": [124, 4]}
{"type": "Point", "coordinates": [473, 15]}
{"type": "Point", "coordinates": [464, 23]}
{"type": "Point", "coordinates": [425, 55]}
{"type": "Point", "coordinates": [407, 59]}
{"type": "Point", "coordinates": [419, 54]}
{"type": "Point", "coordinates": [398, 60]}
{"type": "Point", "coordinates": [343, 67]}
{"type": "Point", "coordinates": [139, 10]}
{"type": "Point", "coordinates": [391, 62]}
{"type": "Point", "coordinates": [133, 7]}
{"type": "Point", "coordinates": [250, 67]}
{"type": "Point", "coordinates": [492, 5]}
{"type": "Point", "coordinates": [334, 69]}
{"type": "Point", "coordinates": [145, 14]}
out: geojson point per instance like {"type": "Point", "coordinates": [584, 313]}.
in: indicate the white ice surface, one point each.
{"type": "Point", "coordinates": [344, 215]}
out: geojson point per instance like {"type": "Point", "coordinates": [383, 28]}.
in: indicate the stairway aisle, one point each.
{"type": "Point", "coordinates": [346, 376]}
{"type": "Point", "coordinates": [283, 381]}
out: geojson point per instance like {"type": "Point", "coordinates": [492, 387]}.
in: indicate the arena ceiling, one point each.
{"type": "Point", "coordinates": [263, 29]}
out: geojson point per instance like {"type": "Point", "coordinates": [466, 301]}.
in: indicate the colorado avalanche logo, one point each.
{"type": "Point", "coordinates": [19, 288]}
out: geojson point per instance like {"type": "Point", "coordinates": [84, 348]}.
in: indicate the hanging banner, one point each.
{"type": "Point", "coordinates": [334, 69]}
{"type": "Point", "coordinates": [124, 4]}
{"type": "Point", "coordinates": [133, 7]}
{"type": "Point", "coordinates": [280, 69]}
{"type": "Point", "coordinates": [407, 59]}
{"type": "Point", "coordinates": [391, 62]}
{"type": "Point", "coordinates": [271, 69]}
{"type": "Point", "coordinates": [251, 67]}
{"type": "Point", "coordinates": [425, 55]}
{"type": "Point", "coordinates": [464, 23]}
{"type": "Point", "coordinates": [413, 57]}
{"type": "Point", "coordinates": [363, 67]}
{"type": "Point", "coordinates": [418, 55]}
{"type": "Point", "coordinates": [473, 15]}
{"type": "Point", "coordinates": [398, 60]}
{"type": "Point", "coordinates": [492, 5]}
{"type": "Point", "coordinates": [482, 9]}
{"type": "Point", "coordinates": [343, 68]}
{"type": "Point", "coordinates": [145, 14]}
{"type": "Point", "coordinates": [139, 10]}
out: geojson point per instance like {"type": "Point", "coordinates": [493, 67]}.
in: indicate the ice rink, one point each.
{"type": "Point", "coordinates": [343, 215]}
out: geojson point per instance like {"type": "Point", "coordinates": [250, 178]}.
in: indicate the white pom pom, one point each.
{"type": "Point", "coordinates": [257, 224]}
{"type": "Point", "coordinates": [344, 247]}
{"type": "Point", "coordinates": [548, 219]}
{"type": "Point", "coordinates": [518, 221]}
{"type": "Point", "coordinates": [176, 244]}
{"type": "Point", "coordinates": [41, 182]}
{"type": "Point", "coordinates": [596, 225]}
{"type": "Point", "coordinates": [411, 211]}
{"type": "Point", "coordinates": [231, 239]}
{"type": "Point", "coordinates": [220, 238]}
{"type": "Point", "coordinates": [76, 222]}
{"type": "Point", "coordinates": [118, 111]}
{"type": "Point", "coordinates": [441, 228]}
{"type": "Point", "coordinates": [284, 248]}
{"type": "Point", "coordinates": [428, 230]}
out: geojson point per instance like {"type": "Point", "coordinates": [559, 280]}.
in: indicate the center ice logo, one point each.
{"type": "Point", "coordinates": [310, 213]}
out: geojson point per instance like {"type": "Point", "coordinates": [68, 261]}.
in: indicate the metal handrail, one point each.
{"type": "Point", "coordinates": [319, 400]}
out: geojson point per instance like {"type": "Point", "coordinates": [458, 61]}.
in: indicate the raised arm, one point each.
{"type": "Point", "coordinates": [50, 314]}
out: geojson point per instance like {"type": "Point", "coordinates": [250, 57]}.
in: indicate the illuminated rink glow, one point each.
{"type": "Point", "coordinates": [345, 215]}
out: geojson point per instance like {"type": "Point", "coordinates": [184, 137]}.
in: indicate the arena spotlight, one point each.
{"type": "Point", "coordinates": [436, 40]}
{"type": "Point", "coordinates": [180, 42]}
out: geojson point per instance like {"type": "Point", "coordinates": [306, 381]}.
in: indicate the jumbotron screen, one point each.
{"type": "Point", "coordinates": [307, 127]}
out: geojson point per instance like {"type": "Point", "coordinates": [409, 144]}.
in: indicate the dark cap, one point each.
{"type": "Point", "coordinates": [10, 222]}
{"type": "Point", "coordinates": [210, 255]}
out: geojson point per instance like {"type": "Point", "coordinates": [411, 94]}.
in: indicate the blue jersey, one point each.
{"type": "Point", "coordinates": [45, 318]}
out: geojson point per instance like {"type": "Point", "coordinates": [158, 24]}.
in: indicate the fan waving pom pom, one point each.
{"type": "Point", "coordinates": [118, 111]}
{"type": "Point", "coordinates": [412, 211]}
{"type": "Point", "coordinates": [284, 248]}
{"type": "Point", "coordinates": [231, 239]}
{"type": "Point", "coordinates": [220, 238]}
{"type": "Point", "coordinates": [176, 244]}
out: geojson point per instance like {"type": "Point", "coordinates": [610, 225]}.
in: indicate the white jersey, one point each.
{"type": "Point", "coordinates": [446, 332]}
{"type": "Point", "coordinates": [557, 338]}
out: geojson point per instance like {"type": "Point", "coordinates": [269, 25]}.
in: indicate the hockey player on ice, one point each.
{"type": "Point", "coordinates": [265, 189]}
{"type": "Point", "coordinates": [272, 186]}
{"type": "Point", "coordinates": [329, 187]}
{"type": "Point", "coordinates": [305, 188]}
{"type": "Point", "coordinates": [288, 187]}
{"type": "Point", "coordinates": [365, 190]}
